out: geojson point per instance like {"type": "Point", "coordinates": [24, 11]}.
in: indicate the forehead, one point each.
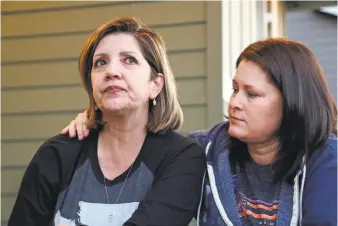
{"type": "Point", "coordinates": [117, 43]}
{"type": "Point", "coordinates": [251, 74]}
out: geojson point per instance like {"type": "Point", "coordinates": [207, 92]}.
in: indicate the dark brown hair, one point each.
{"type": "Point", "coordinates": [309, 110]}
{"type": "Point", "coordinates": [167, 113]}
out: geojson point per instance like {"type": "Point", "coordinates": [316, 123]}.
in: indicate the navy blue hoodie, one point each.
{"type": "Point", "coordinates": [312, 200]}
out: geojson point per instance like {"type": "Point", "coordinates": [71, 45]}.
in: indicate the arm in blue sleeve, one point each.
{"type": "Point", "coordinates": [320, 191]}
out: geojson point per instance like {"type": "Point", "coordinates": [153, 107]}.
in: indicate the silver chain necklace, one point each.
{"type": "Point", "coordinates": [111, 215]}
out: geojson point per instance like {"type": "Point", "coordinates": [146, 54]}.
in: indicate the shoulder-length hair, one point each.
{"type": "Point", "coordinates": [167, 113]}
{"type": "Point", "coordinates": [309, 110]}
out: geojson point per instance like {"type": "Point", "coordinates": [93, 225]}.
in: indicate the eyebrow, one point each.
{"type": "Point", "coordinates": [100, 54]}
{"type": "Point", "coordinates": [245, 85]}
{"type": "Point", "coordinates": [120, 53]}
{"type": "Point", "coordinates": [128, 52]}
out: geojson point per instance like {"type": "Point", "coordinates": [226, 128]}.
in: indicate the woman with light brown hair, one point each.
{"type": "Point", "coordinates": [132, 169]}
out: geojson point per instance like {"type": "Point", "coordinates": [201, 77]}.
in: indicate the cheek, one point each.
{"type": "Point", "coordinates": [267, 117]}
{"type": "Point", "coordinates": [94, 81]}
{"type": "Point", "coordinates": [276, 115]}
{"type": "Point", "coordinates": [139, 87]}
{"type": "Point", "coordinates": [275, 109]}
{"type": "Point", "coordinates": [95, 87]}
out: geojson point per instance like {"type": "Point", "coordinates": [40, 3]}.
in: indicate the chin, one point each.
{"type": "Point", "coordinates": [115, 105]}
{"type": "Point", "coordinates": [115, 109]}
{"type": "Point", "coordinates": [237, 132]}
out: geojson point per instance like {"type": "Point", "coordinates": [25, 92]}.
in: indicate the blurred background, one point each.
{"type": "Point", "coordinates": [41, 41]}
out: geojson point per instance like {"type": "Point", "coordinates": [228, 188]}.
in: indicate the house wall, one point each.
{"type": "Point", "coordinates": [318, 31]}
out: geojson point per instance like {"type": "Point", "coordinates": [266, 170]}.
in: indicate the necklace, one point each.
{"type": "Point", "coordinates": [112, 215]}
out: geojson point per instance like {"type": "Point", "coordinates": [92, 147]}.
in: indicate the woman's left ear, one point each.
{"type": "Point", "coordinates": [157, 86]}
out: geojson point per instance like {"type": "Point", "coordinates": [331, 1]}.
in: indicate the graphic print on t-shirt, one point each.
{"type": "Point", "coordinates": [254, 211]}
{"type": "Point", "coordinates": [85, 202]}
{"type": "Point", "coordinates": [98, 214]}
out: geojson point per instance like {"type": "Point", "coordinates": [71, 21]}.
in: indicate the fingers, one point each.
{"type": "Point", "coordinates": [65, 130]}
{"type": "Point", "coordinates": [72, 129]}
{"type": "Point", "coordinates": [84, 124]}
{"type": "Point", "coordinates": [79, 125]}
{"type": "Point", "coordinates": [86, 133]}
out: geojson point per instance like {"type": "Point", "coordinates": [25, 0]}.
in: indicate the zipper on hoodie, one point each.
{"type": "Point", "coordinates": [214, 192]}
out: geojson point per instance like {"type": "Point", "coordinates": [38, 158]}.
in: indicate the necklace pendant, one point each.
{"type": "Point", "coordinates": [110, 218]}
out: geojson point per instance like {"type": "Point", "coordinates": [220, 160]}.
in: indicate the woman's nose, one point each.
{"type": "Point", "coordinates": [113, 70]}
{"type": "Point", "coordinates": [235, 101]}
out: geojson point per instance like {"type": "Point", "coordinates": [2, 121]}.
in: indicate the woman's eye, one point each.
{"type": "Point", "coordinates": [235, 90]}
{"type": "Point", "coordinates": [99, 63]}
{"type": "Point", "coordinates": [251, 94]}
{"type": "Point", "coordinates": [130, 60]}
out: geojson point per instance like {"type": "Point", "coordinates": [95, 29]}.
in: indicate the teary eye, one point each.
{"type": "Point", "coordinates": [99, 63]}
{"type": "Point", "coordinates": [130, 60]}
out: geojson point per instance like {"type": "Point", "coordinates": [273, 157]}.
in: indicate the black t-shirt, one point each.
{"type": "Point", "coordinates": [64, 185]}
{"type": "Point", "coordinates": [257, 194]}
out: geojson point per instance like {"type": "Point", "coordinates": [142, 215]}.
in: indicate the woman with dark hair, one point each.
{"type": "Point", "coordinates": [275, 161]}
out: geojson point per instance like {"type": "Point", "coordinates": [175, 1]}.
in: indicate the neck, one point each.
{"type": "Point", "coordinates": [264, 154]}
{"type": "Point", "coordinates": [122, 138]}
